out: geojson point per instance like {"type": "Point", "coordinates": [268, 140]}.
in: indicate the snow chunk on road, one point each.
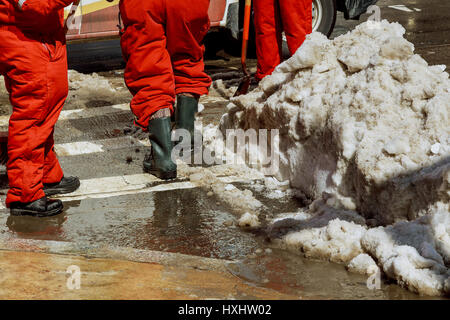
{"type": "Point", "coordinates": [363, 264]}
{"type": "Point", "coordinates": [242, 202]}
{"type": "Point", "coordinates": [249, 220]}
{"type": "Point", "coordinates": [93, 90]}
{"type": "Point", "coordinates": [339, 241]}
{"type": "Point", "coordinates": [414, 253]}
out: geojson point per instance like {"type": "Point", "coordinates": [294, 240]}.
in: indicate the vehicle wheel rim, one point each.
{"type": "Point", "coordinates": [317, 11]}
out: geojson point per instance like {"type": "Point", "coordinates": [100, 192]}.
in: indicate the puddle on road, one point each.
{"type": "Point", "coordinates": [182, 221]}
{"type": "Point", "coordinates": [289, 273]}
{"type": "Point", "coordinates": [188, 221]}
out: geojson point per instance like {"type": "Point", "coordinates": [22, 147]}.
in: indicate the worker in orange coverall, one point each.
{"type": "Point", "coordinates": [272, 17]}
{"type": "Point", "coordinates": [162, 46]}
{"type": "Point", "coordinates": [34, 64]}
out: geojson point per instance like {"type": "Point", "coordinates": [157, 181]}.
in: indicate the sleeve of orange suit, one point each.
{"type": "Point", "coordinates": [42, 7]}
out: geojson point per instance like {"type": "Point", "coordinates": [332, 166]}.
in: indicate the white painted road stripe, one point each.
{"type": "Point", "coordinates": [132, 184]}
{"type": "Point", "coordinates": [401, 7]}
{"type": "Point", "coordinates": [96, 146]}
{"type": "Point", "coordinates": [136, 184]}
{"type": "Point", "coordinates": [80, 113]}
{"type": "Point", "coordinates": [95, 112]}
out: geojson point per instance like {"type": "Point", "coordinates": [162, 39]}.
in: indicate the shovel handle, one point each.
{"type": "Point", "coordinates": [247, 14]}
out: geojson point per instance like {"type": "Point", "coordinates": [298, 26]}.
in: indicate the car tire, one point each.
{"type": "Point", "coordinates": [324, 17]}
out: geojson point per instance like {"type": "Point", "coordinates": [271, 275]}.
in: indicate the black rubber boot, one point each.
{"type": "Point", "coordinates": [159, 161]}
{"type": "Point", "coordinates": [40, 208]}
{"type": "Point", "coordinates": [185, 112]}
{"type": "Point", "coordinates": [66, 185]}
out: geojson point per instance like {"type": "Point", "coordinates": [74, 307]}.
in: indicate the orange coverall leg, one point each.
{"type": "Point", "coordinates": [36, 77]}
{"type": "Point", "coordinates": [162, 45]}
{"type": "Point", "coordinates": [272, 17]}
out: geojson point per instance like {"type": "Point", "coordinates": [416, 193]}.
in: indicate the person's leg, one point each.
{"type": "Point", "coordinates": [149, 77]}
{"type": "Point", "coordinates": [52, 169]}
{"type": "Point", "coordinates": [268, 36]}
{"type": "Point", "coordinates": [296, 16]}
{"type": "Point", "coordinates": [33, 118]}
{"type": "Point", "coordinates": [148, 73]}
{"type": "Point", "coordinates": [53, 177]}
{"type": "Point", "coordinates": [54, 180]}
{"type": "Point", "coordinates": [57, 93]}
{"type": "Point", "coordinates": [186, 27]}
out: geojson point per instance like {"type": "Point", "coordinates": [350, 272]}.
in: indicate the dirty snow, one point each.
{"type": "Point", "coordinates": [364, 264]}
{"type": "Point", "coordinates": [85, 90]}
{"type": "Point", "coordinates": [363, 119]}
{"type": "Point", "coordinates": [4, 98]}
{"type": "Point", "coordinates": [365, 131]}
{"type": "Point", "coordinates": [414, 253]}
{"type": "Point", "coordinates": [241, 202]}
{"type": "Point", "coordinates": [93, 90]}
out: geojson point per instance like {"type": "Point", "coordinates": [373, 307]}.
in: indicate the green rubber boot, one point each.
{"type": "Point", "coordinates": [159, 162]}
{"type": "Point", "coordinates": [185, 112]}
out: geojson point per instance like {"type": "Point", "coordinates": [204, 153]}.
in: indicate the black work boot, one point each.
{"type": "Point", "coordinates": [40, 208]}
{"type": "Point", "coordinates": [66, 185]}
{"type": "Point", "coordinates": [185, 112]}
{"type": "Point", "coordinates": [159, 161]}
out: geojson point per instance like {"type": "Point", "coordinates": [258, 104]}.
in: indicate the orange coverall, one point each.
{"type": "Point", "coordinates": [162, 45]}
{"type": "Point", "coordinates": [272, 17]}
{"type": "Point", "coordinates": [33, 62]}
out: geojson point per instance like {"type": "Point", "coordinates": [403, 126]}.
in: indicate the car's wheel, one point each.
{"type": "Point", "coordinates": [324, 16]}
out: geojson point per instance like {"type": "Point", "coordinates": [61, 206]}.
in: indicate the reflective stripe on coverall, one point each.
{"type": "Point", "coordinates": [272, 17]}
{"type": "Point", "coordinates": [162, 45]}
{"type": "Point", "coordinates": [33, 62]}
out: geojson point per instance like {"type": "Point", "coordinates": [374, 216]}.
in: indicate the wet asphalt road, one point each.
{"type": "Point", "coordinates": [187, 220]}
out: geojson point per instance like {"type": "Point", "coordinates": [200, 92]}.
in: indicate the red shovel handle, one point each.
{"type": "Point", "coordinates": [247, 14]}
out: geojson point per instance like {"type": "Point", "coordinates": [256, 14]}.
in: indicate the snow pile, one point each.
{"type": "Point", "coordinates": [365, 132]}
{"type": "Point", "coordinates": [414, 253]}
{"type": "Point", "coordinates": [339, 241]}
{"type": "Point", "coordinates": [4, 98]}
{"type": "Point", "coordinates": [91, 82]}
{"type": "Point", "coordinates": [364, 122]}
{"type": "Point", "coordinates": [322, 232]}
{"type": "Point", "coordinates": [85, 89]}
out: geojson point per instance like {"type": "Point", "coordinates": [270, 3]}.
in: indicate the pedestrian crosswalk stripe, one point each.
{"type": "Point", "coordinates": [108, 187]}
{"type": "Point", "coordinates": [96, 146]}
{"type": "Point", "coordinates": [80, 113]}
